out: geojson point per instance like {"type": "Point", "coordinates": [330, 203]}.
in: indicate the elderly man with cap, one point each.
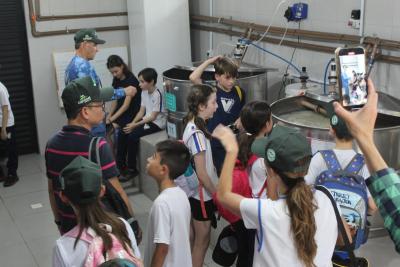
{"type": "Point", "coordinates": [84, 106]}
{"type": "Point", "coordinates": [86, 47]}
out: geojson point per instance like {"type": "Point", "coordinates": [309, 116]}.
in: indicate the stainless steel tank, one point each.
{"type": "Point", "coordinates": [252, 79]}
{"type": "Point", "coordinates": [290, 112]}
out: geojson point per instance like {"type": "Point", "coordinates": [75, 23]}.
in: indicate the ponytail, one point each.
{"type": "Point", "coordinates": [245, 141]}
{"type": "Point", "coordinates": [301, 205]}
{"type": "Point", "coordinates": [91, 215]}
{"type": "Point", "coordinates": [198, 95]}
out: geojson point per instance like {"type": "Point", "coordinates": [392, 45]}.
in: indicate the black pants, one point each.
{"type": "Point", "coordinates": [11, 146]}
{"type": "Point", "coordinates": [133, 142]}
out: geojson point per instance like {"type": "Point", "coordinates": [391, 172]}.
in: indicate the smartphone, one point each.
{"type": "Point", "coordinates": [351, 71]}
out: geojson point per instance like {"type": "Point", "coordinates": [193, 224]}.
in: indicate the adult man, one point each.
{"type": "Point", "coordinates": [84, 106]}
{"type": "Point", "coordinates": [86, 42]}
{"type": "Point", "coordinates": [8, 136]}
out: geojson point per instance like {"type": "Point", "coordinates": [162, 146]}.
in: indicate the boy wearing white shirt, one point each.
{"type": "Point", "coordinates": [8, 136]}
{"type": "Point", "coordinates": [168, 229]}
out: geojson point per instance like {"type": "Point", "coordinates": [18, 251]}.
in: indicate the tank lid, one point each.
{"type": "Point", "coordinates": [244, 67]}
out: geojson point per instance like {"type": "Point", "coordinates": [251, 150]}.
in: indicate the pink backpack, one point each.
{"type": "Point", "coordinates": [95, 255]}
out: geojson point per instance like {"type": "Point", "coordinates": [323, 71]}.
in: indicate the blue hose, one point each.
{"type": "Point", "coordinates": [275, 55]}
{"type": "Point", "coordinates": [326, 71]}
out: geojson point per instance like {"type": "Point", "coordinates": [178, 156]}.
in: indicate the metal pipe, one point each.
{"type": "Point", "coordinates": [36, 33]}
{"type": "Point", "coordinates": [211, 40]}
{"type": "Point", "coordinates": [39, 17]}
{"type": "Point", "coordinates": [302, 45]}
{"type": "Point", "coordinates": [305, 34]}
{"type": "Point", "coordinates": [362, 18]}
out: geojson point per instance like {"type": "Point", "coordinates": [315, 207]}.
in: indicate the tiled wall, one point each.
{"type": "Point", "coordinates": [381, 19]}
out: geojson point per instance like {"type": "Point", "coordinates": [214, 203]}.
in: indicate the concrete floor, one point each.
{"type": "Point", "coordinates": [27, 231]}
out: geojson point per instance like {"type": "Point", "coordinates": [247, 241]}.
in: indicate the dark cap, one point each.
{"type": "Point", "coordinates": [82, 91]}
{"type": "Point", "coordinates": [283, 148]}
{"type": "Point", "coordinates": [81, 181]}
{"type": "Point", "coordinates": [337, 123]}
{"type": "Point", "coordinates": [87, 35]}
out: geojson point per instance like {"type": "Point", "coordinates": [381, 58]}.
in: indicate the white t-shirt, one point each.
{"type": "Point", "coordinates": [154, 102]}
{"type": "Point", "coordinates": [169, 223]}
{"type": "Point", "coordinates": [4, 101]}
{"type": "Point", "coordinates": [278, 249]}
{"type": "Point", "coordinates": [344, 156]}
{"type": "Point", "coordinates": [197, 142]}
{"type": "Point", "coordinates": [64, 254]}
{"type": "Point", "coordinates": [257, 177]}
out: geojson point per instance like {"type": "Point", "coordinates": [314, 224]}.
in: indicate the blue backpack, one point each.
{"type": "Point", "coordinates": [349, 190]}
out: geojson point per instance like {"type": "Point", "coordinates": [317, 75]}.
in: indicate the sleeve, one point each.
{"type": "Point", "coordinates": [162, 223]}
{"type": "Point", "coordinates": [58, 259]}
{"type": "Point", "coordinates": [4, 101]}
{"type": "Point", "coordinates": [385, 189]}
{"type": "Point", "coordinates": [142, 101]}
{"type": "Point", "coordinates": [131, 236]}
{"type": "Point", "coordinates": [107, 162]}
{"type": "Point", "coordinates": [249, 212]}
{"type": "Point", "coordinates": [317, 165]}
{"type": "Point", "coordinates": [157, 101]}
{"type": "Point", "coordinates": [197, 143]}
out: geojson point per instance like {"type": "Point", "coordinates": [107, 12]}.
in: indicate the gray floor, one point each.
{"type": "Point", "coordinates": [27, 231]}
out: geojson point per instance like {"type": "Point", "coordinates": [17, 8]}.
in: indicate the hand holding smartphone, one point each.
{"type": "Point", "coordinates": [351, 70]}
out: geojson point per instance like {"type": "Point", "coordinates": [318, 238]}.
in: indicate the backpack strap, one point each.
{"type": "Point", "coordinates": [239, 92]}
{"type": "Point", "coordinates": [260, 235]}
{"type": "Point", "coordinates": [94, 153]}
{"type": "Point", "coordinates": [340, 224]}
{"type": "Point", "coordinates": [356, 164]}
{"type": "Point", "coordinates": [331, 160]}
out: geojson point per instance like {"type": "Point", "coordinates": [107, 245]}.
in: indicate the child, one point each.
{"type": "Point", "coordinates": [256, 120]}
{"type": "Point", "coordinates": [82, 189]}
{"type": "Point", "coordinates": [8, 136]}
{"type": "Point", "coordinates": [168, 229]}
{"type": "Point", "coordinates": [202, 103]}
{"type": "Point", "coordinates": [344, 153]}
{"type": "Point", "coordinates": [150, 118]}
{"type": "Point", "coordinates": [298, 229]}
{"type": "Point", "coordinates": [124, 109]}
{"type": "Point", "coordinates": [230, 99]}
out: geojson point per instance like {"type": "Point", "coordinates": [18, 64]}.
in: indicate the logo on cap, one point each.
{"type": "Point", "coordinates": [334, 120]}
{"type": "Point", "coordinates": [87, 38]}
{"type": "Point", "coordinates": [271, 156]}
{"type": "Point", "coordinates": [84, 99]}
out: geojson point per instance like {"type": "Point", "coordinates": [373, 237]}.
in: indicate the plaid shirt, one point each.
{"type": "Point", "coordinates": [384, 186]}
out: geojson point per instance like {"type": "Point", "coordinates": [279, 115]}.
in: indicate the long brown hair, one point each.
{"type": "Point", "coordinates": [301, 205]}
{"type": "Point", "coordinates": [199, 95]}
{"type": "Point", "coordinates": [91, 214]}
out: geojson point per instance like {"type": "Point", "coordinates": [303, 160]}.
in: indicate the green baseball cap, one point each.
{"type": "Point", "coordinates": [81, 181]}
{"type": "Point", "coordinates": [82, 91]}
{"type": "Point", "coordinates": [336, 122]}
{"type": "Point", "coordinates": [283, 148]}
{"type": "Point", "coordinates": [87, 35]}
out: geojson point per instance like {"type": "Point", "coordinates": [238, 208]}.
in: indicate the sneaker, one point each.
{"type": "Point", "coordinates": [127, 175]}
{"type": "Point", "coordinates": [11, 180]}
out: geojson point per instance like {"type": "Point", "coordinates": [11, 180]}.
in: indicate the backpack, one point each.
{"type": "Point", "coordinates": [240, 185]}
{"type": "Point", "coordinates": [349, 190]}
{"type": "Point", "coordinates": [95, 255]}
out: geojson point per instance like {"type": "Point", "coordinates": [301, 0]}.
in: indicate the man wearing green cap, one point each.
{"type": "Point", "coordinates": [83, 101]}
{"type": "Point", "coordinates": [86, 47]}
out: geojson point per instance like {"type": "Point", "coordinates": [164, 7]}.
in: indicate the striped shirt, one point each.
{"type": "Point", "coordinates": [61, 149]}
{"type": "Point", "coordinates": [197, 142]}
{"type": "Point", "coordinates": [384, 186]}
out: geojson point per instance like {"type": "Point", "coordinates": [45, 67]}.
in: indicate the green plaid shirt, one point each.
{"type": "Point", "coordinates": [384, 186]}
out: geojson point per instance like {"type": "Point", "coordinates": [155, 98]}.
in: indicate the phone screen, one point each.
{"type": "Point", "coordinates": [352, 73]}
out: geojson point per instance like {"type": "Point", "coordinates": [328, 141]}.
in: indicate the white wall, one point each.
{"type": "Point", "coordinates": [49, 117]}
{"type": "Point", "coordinates": [381, 16]}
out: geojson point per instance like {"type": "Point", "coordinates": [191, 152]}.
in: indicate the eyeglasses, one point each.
{"type": "Point", "coordinates": [103, 106]}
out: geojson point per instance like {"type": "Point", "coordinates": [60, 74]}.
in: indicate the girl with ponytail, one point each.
{"type": "Point", "coordinates": [82, 188]}
{"type": "Point", "coordinates": [202, 103]}
{"type": "Point", "coordinates": [256, 120]}
{"type": "Point", "coordinates": [297, 229]}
